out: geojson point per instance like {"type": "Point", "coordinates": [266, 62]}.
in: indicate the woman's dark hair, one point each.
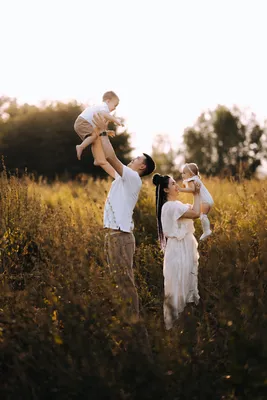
{"type": "Point", "coordinates": [161, 182]}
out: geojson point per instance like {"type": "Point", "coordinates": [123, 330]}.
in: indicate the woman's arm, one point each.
{"type": "Point", "coordinates": [190, 189]}
{"type": "Point", "coordinates": [195, 210]}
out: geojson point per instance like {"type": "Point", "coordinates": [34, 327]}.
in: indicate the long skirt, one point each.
{"type": "Point", "coordinates": [180, 270]}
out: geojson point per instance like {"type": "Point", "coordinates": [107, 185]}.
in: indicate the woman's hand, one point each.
{"type": "Point", "coordinates": [197, 187]}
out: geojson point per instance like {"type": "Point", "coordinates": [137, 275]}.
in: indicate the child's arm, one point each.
{"type": "Point", "coordinates": [110, 118]}
{"type": "Point", "coordinates": [190, 189]}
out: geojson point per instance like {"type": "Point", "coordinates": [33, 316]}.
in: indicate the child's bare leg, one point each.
{"type": "Point", "coordinates": [85, 131]}
{"type": "Point", "coordinates": [205, 208]}
{"type": "Point", "coordinates": [87, 141]}
{"type": "Point", "coordinates": [99, 156]}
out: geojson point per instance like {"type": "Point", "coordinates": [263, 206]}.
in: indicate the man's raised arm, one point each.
{"type": "Point", "coordinates": [107, 147]}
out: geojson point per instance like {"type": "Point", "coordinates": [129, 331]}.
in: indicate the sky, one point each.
{"type": "Point", "coordinates": [167, 60]}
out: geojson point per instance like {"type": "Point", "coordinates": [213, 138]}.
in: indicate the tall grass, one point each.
{"type": "Point", "coordinates": [62, 335]}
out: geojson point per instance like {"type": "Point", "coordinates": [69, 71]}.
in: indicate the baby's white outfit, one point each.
{"type": "Point", "coordinates": [88, 113]}
{"type": "Point", "coordinates": [205, 197]}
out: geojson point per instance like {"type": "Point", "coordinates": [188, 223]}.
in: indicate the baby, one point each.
{"type": "Point", "coordinates": [85, 127]}
{"type": "Point", "coordinates": [190, 175]}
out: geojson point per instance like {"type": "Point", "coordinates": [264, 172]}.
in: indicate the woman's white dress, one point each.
{"type": "Point", "coordinates": [180, 268]}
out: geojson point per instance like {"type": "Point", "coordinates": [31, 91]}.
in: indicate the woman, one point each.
{"type": "Point", "coordinates": [175, 230]}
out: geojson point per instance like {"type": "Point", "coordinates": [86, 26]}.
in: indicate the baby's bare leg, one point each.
{"type": "Point", "coordinates": [205, 208]}
{"type": "Point", "coordinates": [87, 141]}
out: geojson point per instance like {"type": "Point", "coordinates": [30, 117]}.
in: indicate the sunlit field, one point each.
{"type": "Point", "coordinates": [61, 333]}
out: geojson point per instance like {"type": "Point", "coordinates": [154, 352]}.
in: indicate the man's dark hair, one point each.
{"type": "Point", "coordinates": [150, 165]}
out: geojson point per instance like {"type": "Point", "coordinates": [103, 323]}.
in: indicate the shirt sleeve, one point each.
{"type": "Point", "coordinates": [117, 175]}
{"type": "Point", "coordinates": [179, 209]}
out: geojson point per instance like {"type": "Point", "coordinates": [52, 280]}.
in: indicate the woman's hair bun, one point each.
{"type": "Point", "coordinates": [156, 179]}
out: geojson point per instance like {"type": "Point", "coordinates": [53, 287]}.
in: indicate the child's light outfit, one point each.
{"type": "Point", "coordinates": [205, 197]}
{"type": "Point", "coordinates": [84, 125]}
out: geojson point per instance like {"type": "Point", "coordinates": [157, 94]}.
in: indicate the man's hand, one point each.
{"type": "Point", "coordinates": [100, 122]}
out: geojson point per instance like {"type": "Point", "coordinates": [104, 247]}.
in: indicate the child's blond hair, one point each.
{"type": "Point", "coordinates": [110, 95]}
{"type": "Point", "coordinates": [193, 168]}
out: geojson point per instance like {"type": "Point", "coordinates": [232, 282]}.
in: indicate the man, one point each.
{"type": "Point", "coordinates": [118, 212]}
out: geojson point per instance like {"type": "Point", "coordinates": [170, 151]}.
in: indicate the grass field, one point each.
{"type": "Point", "coordinates": [60, 334]}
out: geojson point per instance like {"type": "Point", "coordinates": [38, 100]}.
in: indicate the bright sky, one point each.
{"type": "Point", "coordinates": [168, 60]}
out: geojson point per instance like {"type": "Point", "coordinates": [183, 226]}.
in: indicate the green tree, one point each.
{"type": "Point", "coordinates": [164, 155]}
{"type": "Point", "coordinates": [225, 142]}
{"type": "Point", "coordinates": [42, 139]}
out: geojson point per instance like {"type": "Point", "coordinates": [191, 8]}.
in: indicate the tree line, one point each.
{"type": "Point", "coordinates": [41, 139]}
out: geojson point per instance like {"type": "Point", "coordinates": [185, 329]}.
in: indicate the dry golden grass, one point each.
{"type": "Point", "coordinates": [60, 334]}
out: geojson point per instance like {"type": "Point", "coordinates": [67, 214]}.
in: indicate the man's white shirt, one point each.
{"type": "Point", "coordinates": [121, 200]}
